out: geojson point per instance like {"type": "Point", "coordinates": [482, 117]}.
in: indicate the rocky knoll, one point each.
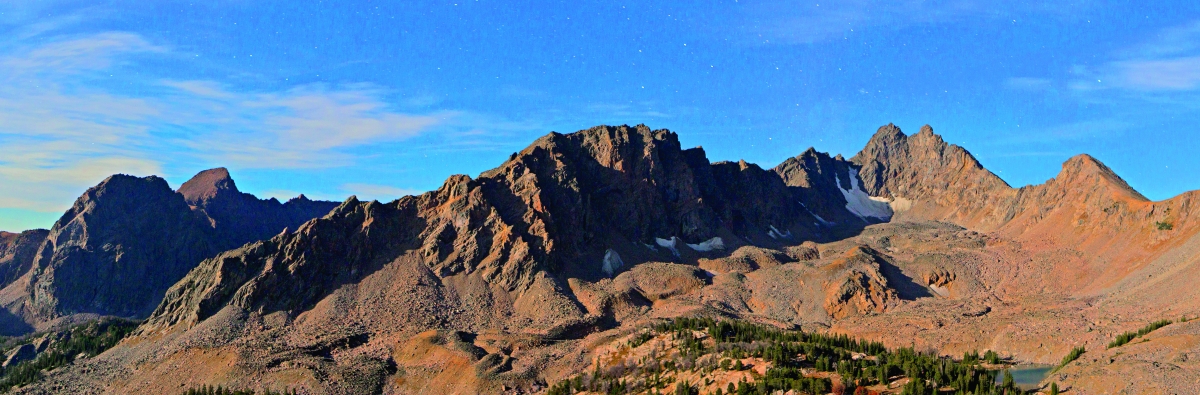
{"type": "Point", "coordinates": [128, 239]}
{"type": "Point", "coordinates": [17, 251]}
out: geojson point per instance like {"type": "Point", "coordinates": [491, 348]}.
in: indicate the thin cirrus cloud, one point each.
{"type": "Point", "coordinates": [377, 192]}
{"type": "Point", "coordinates": [1168, 63]}
{"type": "Point", "coordinates": [1172, 74]}
{"type": "Point", "coordinates": [93, 52]}
{"type": "Point", "coordinates": [309, 126]}
{"type": "Point", "coordinates": [786, 22]}
{"type": "Point", "coordinates": [64, 124]}
{"type": "Point", "coordinates": [1027, 83]}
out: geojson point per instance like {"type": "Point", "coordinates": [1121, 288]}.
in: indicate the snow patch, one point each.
{"type": "Point", "coordinates": [818, 217]}
{"type": "Point", "coordinates": [711, 244]}
{"type": "Point", "coordinates": [668, 244]}
{"type": "Point", "coordinates": [863, 205]}
{"type": "Point", "coordinates": [612, 262]}
{"type": "Point", "coordinates": [776, 234]}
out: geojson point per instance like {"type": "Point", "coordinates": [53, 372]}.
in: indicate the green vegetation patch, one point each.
{"type": "Point", "coordinates": [1126, 337]}
{"type": "Point", "coordinates": [218, 390]}
{"type": "Point", "coordinates": [1164, 225]}
{"type": "Point", "coordinates": [1071, 357]}
{"type": "Point", "coordinates": [807, 363]}
{"type": "Point", "coordinates": [86, 340]}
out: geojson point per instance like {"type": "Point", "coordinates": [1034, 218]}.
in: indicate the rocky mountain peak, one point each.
{"type": "Point", "coordinates": [300, 198]}
{"type": "Point", "coordinates": [926, 129]}
{"type": "Point", "coordinates": [1083, 170]}
{"type": "Point", "coordinates": [887, 136]}
{"type": "Point", "coordinates": [207, 185]}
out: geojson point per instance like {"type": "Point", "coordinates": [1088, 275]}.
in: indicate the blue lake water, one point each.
{"type": "Point", "coordinates": [1026, 377]}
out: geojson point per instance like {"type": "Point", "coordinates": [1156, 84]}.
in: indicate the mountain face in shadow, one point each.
{"type": "Point", "coordinates": [127, 239]}
{"type": "Point", "coordinates": [17, 251]}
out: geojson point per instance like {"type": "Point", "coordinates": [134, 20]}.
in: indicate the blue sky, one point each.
{"type": "Point", "coordinates": [381, 99]}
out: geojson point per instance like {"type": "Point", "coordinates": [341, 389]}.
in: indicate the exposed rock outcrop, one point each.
{"type": "Point", "coordinates": [862, 290]}
{"type": "Point", "coordinates": [17, 252]}
{"type": "Point", "coordinates": [24, 352]}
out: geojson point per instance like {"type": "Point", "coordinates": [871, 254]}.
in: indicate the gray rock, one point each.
{"type": "Point", "coordinates": [44, 342]}
{"type": "Point", "coordinates": [26, 352]}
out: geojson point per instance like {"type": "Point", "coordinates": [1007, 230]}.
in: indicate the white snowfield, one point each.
{"type": "Point", "coordinates": [776, 234]}
{"type": "Point", "coordinates": [823, 221]}
{"type": "Point", "coordinates": [863, 205]}
{"type": "Point", "coordinates": [668, 244]}
{"type": "Point", "coordinates": [711, 244]}
{"type": "Point", "coordinates": [612, 262]}
{"type": "Point", "coordinates": [818, 217]}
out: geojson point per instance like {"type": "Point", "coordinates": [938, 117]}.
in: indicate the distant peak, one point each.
{"type": "Point", "coordinates": [1084, 164]}
{"type": "Point", "coordinates": [123, 181]}
{"type": "Point", "coordinates": [889, 132]}
{"type": "Point", "coordinates": [886, 138]}
{"type": "Point", "coordinates": [208, 184]}
{"type": "Point", "coordinates": [298, 199]}
{"type": "Point", "coordinates": [1083, 167]}
{"type": "Point", "coordinates": [926, 130]}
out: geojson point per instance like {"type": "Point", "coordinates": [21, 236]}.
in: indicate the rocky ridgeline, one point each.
{"type": "Point", "coordinates": [594, 231]}
{"type": "Point", "coordinates": [577, 205]}
{"type": "Point", "coordinates": [128, 239]}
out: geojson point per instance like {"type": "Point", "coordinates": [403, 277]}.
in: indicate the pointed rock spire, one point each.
{"type": "Point", "coordinates": [207, 185]}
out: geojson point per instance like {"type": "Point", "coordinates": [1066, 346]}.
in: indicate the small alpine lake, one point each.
{"type": "Point", "coordinates": [1027, 377]}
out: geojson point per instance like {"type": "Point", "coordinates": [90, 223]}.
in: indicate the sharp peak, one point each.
{"type": "Point", "coordinates": [1083, 165]}
{"type": "Point", "coordinates": [207, 184]}
{"type": "Point", "coordinates": [888, 132]}
{"type": "Point", "coordinates": [812, 152]}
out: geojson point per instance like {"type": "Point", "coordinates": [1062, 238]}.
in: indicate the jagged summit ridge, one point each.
{"type": "Point", "coordinates": [553, 211]}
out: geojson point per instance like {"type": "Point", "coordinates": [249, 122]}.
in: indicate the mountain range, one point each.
{"type": "Point", "coordinates": [529, 272]}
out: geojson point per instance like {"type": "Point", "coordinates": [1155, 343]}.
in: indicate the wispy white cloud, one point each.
{"type": "Point", "coordinates": [92, 52]}
{"type": "Point", "coordinates": [1027, 83]}
{"type": "Point", "coordinates": [377, 192]}
{"type": "Point", "coordinates": [1173, 74]}
{"type": "Point", "coordinates": [303, 127]}
{"type": "Point", "coordinates": [61, 132]}
{"type": "Point", "coordinates": [789, 22]}
{"type": "Point", "coordinates": [1170, 62]}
